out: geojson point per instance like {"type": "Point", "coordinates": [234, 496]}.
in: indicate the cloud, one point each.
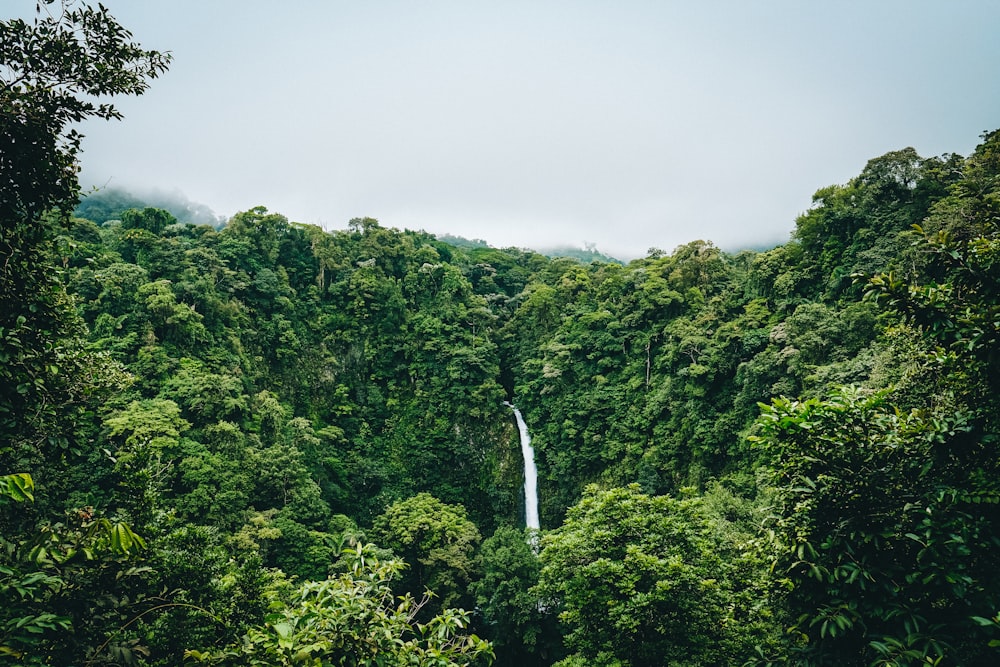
{"type": "Point", "coordinates": [629, 125]}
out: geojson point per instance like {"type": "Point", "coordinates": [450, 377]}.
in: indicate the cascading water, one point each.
{"type": "Point", "coordinates": [530, 472]}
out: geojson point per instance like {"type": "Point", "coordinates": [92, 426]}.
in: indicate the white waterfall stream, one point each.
{"type": "Point", "coordinates": [530, 472]}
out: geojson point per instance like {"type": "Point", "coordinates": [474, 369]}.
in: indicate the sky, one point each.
{"type": "Point", "coordinates": [624, 124]}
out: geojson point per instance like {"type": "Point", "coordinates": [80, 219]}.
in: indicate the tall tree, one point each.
{"type": "Point", "coordinates": [55, 71]}
{"type": "Point", "coordinates": [436, 541]}
{"type": "Point", "coordinates": [638, 580]}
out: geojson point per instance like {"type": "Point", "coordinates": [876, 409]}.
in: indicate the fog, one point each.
{"type": "Point", "coordinates": [629, 125]}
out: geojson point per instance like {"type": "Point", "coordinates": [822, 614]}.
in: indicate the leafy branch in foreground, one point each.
{"type": "Point", "coordinates": [43, 577]}
{"type": "Point", "coordinates": [353, 619]}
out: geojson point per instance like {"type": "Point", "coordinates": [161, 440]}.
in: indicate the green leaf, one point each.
{"type": "Point", "coordinates": [19, 487]}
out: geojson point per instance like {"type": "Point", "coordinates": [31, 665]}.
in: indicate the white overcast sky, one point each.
{"type": "Point", "coordinates": [626, 124]}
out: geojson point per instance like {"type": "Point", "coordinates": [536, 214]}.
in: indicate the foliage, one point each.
{"type": "Point", "coordinates": [887, 524]}
{"type": "Point", "coordinates": [62, 583]}
{"type": "Point", "coordinates": [957, 305]}
{"type": "Point", "coordinates": [638, 580]}
{"type": "Point", "coordinates": [53, 72]}
{"type": "Point", "coordinates": [18, 487]}
{"type": "Point", "coordinates": [436, 541]}
{"type": "Point", "coordinates": [353, 619]}
{"type": "Point", "coordinates": [521, 632]}
{"type": "Point", "coordinates": [48, 582]}
{"type": "Point", "coordinates": [588, 253]}
{"type": "Point", "coordinates": [887, 528]}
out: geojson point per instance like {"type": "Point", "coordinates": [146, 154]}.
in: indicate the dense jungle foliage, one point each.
{"type": "Point", "coordinates": [265, 443]}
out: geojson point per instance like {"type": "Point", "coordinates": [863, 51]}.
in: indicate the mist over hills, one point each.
{"type": "Point", "coordinates": [102, 204]}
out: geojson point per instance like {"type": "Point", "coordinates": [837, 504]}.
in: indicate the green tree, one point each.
{"type": "Point", "coordinates": [521, 631]}
{"type": "Point", "coordinates": [153, 220]}
{"type": "Point", "coordinates": [436, 541]}
{"type": "Point", "coordinates": [146, 436]}
{"type": "Point", "coordinates": [637, 580]}
{"type": "Point", "coordinates": [206, 396]}
{"type": "Point", "coordinates": [54, 72]}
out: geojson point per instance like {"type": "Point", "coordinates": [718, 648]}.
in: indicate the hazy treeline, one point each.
{"type": "Point", "coordinates": [107, 203]}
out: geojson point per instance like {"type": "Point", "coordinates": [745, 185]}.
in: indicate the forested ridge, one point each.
{"type": "Point", "coordinates": [264, 442]}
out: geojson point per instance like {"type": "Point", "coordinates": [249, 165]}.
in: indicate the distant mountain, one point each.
{"type": "Point", "coordinates": [589, 253]}
{"type": "Point", "coordinates": [462, 242]}
{"type": "Point", "coordinates": [585, 255]}
{"type": "Point", "coordinates": [108, 204]}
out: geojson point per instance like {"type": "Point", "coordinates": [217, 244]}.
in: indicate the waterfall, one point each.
{"type": "Point", "coordinates": [530, 472]}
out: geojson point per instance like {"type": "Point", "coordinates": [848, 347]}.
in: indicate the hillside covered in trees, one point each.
{"type": "Point", "coordinates": [263, 443]}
